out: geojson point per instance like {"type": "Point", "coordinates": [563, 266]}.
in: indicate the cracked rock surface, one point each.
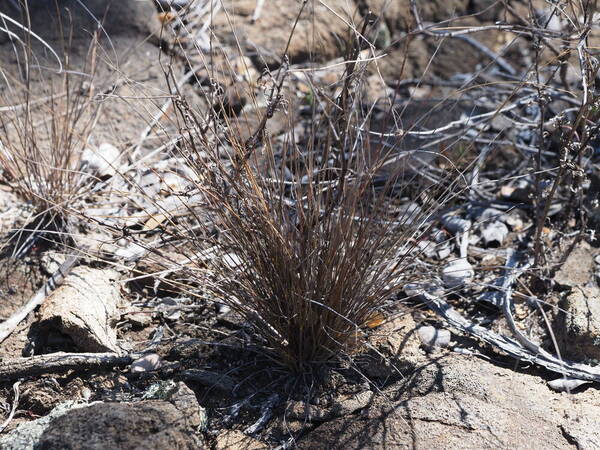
{"type": "Point", "coordinates": [464, 402]}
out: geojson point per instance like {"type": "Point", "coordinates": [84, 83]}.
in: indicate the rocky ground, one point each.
{"type": "Point", "coordinates": [120, 356]}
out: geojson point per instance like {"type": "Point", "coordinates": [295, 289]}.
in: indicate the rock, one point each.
{"type": "Point", "coordinates": [185, 401]}
{"type": "Point", "coordinates": [398, 16]}
{"type": "Point", "coordinates": [578, 324]}
{"type": "Point", "coordinates": [457, 273]}
{"type": "Point", "coordinates": [213, 380]}
{"type": "Point", "coordinates": [318, 36]}
{"type": "Point", "coordinates": [120, 16]}
{"type": "Point", "coordinates": [103, 161]}
{"type": "Point", "coordinates": [236, 440]}
{"type": "Point", "coordinates": [340, 407]}
{"type": "Point", "coordinates": [27, 435]}
{"type": "Point", "coordinates": [146, 363]}
{"type": "Point", "coordinates": [116, 17]}
{"type": "Point", "coordinates": [455, 224]}
{"type": "Point", "coordinates": [51, 261]}
{"type": "Point", "coordinates": [139, 319]}
{"type": "Point", "coordinates": [432, 337]}
{"type": "Point", "coordinates": [460, 402]}
{"type": "Point", "coordinates": [392, 346]}
{"type": "Point", "coordinates": [182, 397]}
{"type": "Point", "coordinates": [494, 233]}
{"type": "Point", "coordinates": [566, 384]}
{"type": "Point", "coordinates": [148, 424]}
{"type": "Point", "coordinates": [410, 213]}
{"type": "Point", "coordinates": [578, 269]}
{"type": "Point", "coordinates": [84, 308]}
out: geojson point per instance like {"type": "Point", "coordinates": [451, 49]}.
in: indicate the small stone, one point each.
{"type": "Point", "coordinates": [146, 363]}
{"type": "Point", "coordinates": [51, 261]}
{"type": "Point", "coordinates": [103, 162]}
{"type": "Point", "coordinates": [494, 233]}
{"type": "Point", "coordinates": [455, 224]}
{"type": "Point", "coordinates": [566, 384]}
{"type": "Point", "coordinates": [490, 215]}
{"type": "Point", "coordinates": [514, 221]}
{"type": "Point", "coordinates": [432, 337]}
{"type": "Point", "coordinates": [86, 394]}
{"type": "Point", "coordinates": [457, 273]}
{"type": "Point", "coordinates": [139, 319]}
{"type": "Point", "coordinates": [410, 213]}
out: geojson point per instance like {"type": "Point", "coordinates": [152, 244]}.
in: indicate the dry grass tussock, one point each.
{"type": "Point", "coordinates": [43, 134]}
{"type": "Point", "coordinates": [310, 244]}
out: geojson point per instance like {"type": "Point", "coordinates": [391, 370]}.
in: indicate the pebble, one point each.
{"type": "Point", "coordinates": [494, 233]}
{"type": "Point", "coordinates": [103, 162]}
{"type": "Point", "coordinates": [433, 337]}
{"type": "Point", "coordinates": [410, 213]}
{"type": "Point", "coordinates": [457, 273]}
{"type": "Point", "coordinates": [566, 384]}
{"type": "Point", "coordinates": [146, 363]}
{"type": "Point", "coordinates": [455, 224]}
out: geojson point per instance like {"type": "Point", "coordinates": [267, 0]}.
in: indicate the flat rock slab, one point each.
{"type": "Point", "coordinates": [149, 424]}
{"type": "Point", "coordinates": [84, 308]}
{"type": "Point", "coordinates": [459, 402]}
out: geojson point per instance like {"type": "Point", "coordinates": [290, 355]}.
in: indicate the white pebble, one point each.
{"type": "Point", "coordinates": [146, 363]}
{"type": "Point", "coordinates": [457, 273]}
{"type": "Point", "coordinates": [432, 337]}
{"type": "Point", "coordinates": [566, 384]}
{"type": "Point", "coordinates": [103, 162]}
{"type": "Point", "coordinates": [494, 232]}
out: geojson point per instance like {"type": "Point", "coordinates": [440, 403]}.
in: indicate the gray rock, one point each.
{"type": "Point", "coordinates": [103, 161]}
{"type": "Point", "coordinates": [457, 273]}
{"type": "Point", "coordinates": [432, 337]}
{"type": "Point", "coordinates": [146, 363]}
{"type": "Point", "coordinates": [26, 435]}
{"type": "Point", "coordinates": [145, 424]}
{"type": "Point", "coordinates": [578, 324]}
{"type": "Point", "coordinates": [578, 269]}
{"type": "Point", "coordinates": [566, 384]}
{"type": "Point", "coordinates": [455, 224]}
{"type": "Point", "coordinates": [494, 233]}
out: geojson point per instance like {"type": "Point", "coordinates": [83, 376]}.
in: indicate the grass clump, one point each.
{"type": "Point", "coordinates": [311, 243]}
{"type": "Point", "coordinates": [42, 138]}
